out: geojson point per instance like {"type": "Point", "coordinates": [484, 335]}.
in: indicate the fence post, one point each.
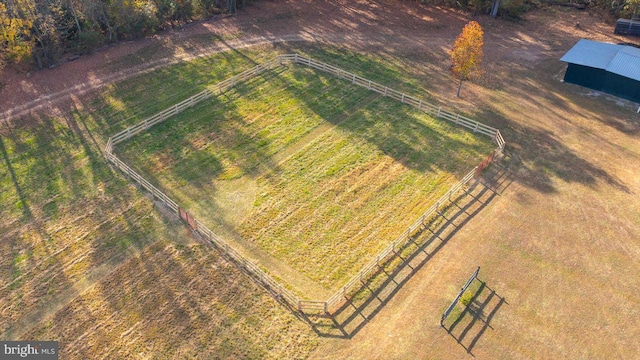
{"type": "Point", "coordinates": [439, 109]}
{"type": "Point", "coordinates": [402, 100]}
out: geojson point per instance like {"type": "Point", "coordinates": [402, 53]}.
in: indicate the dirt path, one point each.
{"type": "Point", "coordinates": [263, 23]}
{"type": "Point", "coordinates": [362, 25]}
{"type": "Point", "coordinates": [571, 214]}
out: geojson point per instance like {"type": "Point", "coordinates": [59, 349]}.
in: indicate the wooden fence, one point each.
{"type": "Point", "coordinates": [273, 286]}
{"type": "Point", "coordinates": [422, 105]}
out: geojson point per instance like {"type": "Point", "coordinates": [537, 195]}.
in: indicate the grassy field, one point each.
{"type": "Point", "coordinates": [71, 224]}
{"type": "Point", "coordinates": [72, 229]}
{"type": "Point", "coordinates": [91, 262]}
{"type": "Point", "coordinates": [321, 174]}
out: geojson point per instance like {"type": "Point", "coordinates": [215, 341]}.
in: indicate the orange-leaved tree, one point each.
{"type": "Point", "coordinates": [466, 54]}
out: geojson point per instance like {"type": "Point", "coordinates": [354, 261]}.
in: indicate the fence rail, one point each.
{"type": "Point", "coordinates": [422, 105]}
{"type": "Point", "coordinates": [373, 266]}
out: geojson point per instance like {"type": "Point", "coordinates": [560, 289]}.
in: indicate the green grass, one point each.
{"type": "Point", "coordinates": [69, 219]}
{"type": "Point", "coordinates": [327, 173]}
{"type": "Point", "coordinates": [474, 295]}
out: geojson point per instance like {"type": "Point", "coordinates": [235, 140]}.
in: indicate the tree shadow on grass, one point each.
{"type": "Point", "coordinates": [359, 309]}
{"type": "Point", "coordinates": [544, 156]}
{"type": "Point", "coordinates": [56, 169]}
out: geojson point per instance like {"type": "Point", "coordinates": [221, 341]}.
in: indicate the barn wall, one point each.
{"type": "Point", "coordinates": [622, 87]}
{"type": "Point", "coordinates": [601, 80]}
{"type": "Point", "coordinates": [589, 77]}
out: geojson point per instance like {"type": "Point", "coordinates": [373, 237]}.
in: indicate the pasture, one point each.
{"type": "Point", "coordinates": [92, 262]}
{"type": "Point", "coordinates": [320, 174]}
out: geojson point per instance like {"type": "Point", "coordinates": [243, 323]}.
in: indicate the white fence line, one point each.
{"type": "Point", "coordinates": [373, 266]}
{"type": "Point", "coordinates": [422, 105]}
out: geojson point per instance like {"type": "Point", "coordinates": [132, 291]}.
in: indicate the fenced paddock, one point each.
{"type": "Point", "coordinates": [382, 258]}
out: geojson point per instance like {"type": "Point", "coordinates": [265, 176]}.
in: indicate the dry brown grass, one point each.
{"type": "Point", "coordinates": [559, 244]}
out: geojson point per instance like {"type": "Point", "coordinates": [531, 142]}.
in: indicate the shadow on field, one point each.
{"type": "Point", "coordinates": [470, 324]}
{"type": "Point", "coordinates": [377, 292]}
{"type": "Point", "coordinates": [544, 156]}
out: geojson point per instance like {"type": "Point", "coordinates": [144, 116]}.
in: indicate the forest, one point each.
{"type": "Point", "coordinates": [38, 33]}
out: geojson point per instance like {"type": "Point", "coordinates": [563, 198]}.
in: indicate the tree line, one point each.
{"type": "Point", "coordinates": [40, 31]}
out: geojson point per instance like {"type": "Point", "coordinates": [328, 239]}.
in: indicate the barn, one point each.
{"type": "Point", "coordinates": [610, 68]}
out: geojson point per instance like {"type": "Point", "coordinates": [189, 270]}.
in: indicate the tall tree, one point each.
{"type": "Point", "coordinates": [466, 54]}
{"type": "Point", "coordinates": [15, 32]}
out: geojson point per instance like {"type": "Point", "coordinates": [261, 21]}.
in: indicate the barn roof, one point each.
{"type": "Point", "coordinates": [618, 59]}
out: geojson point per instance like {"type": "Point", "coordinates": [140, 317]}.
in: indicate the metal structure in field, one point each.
{"type": "Point", "coordinates": [455, 301]}
{"type": "Point", "coordinates": [370, 269]}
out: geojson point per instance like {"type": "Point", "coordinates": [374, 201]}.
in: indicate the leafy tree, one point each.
{"type": "Point", "coordinates": [625, 8]}
{"type": "Point", "coordinates": [466, 54]}
{"type": "Point", "coordinates": [15, 31]}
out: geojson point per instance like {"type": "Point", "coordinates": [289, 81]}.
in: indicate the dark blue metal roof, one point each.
{"type": "Point", "coordinates": [618, 59]}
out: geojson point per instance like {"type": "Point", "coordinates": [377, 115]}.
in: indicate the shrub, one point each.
{"type": "Point", "coordinates": [466, 298]}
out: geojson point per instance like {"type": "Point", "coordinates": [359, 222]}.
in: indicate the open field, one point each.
{"type": "Point", "coordinates": [319, 173]}
{"type": "Point", "coordinates": [89, 261]}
